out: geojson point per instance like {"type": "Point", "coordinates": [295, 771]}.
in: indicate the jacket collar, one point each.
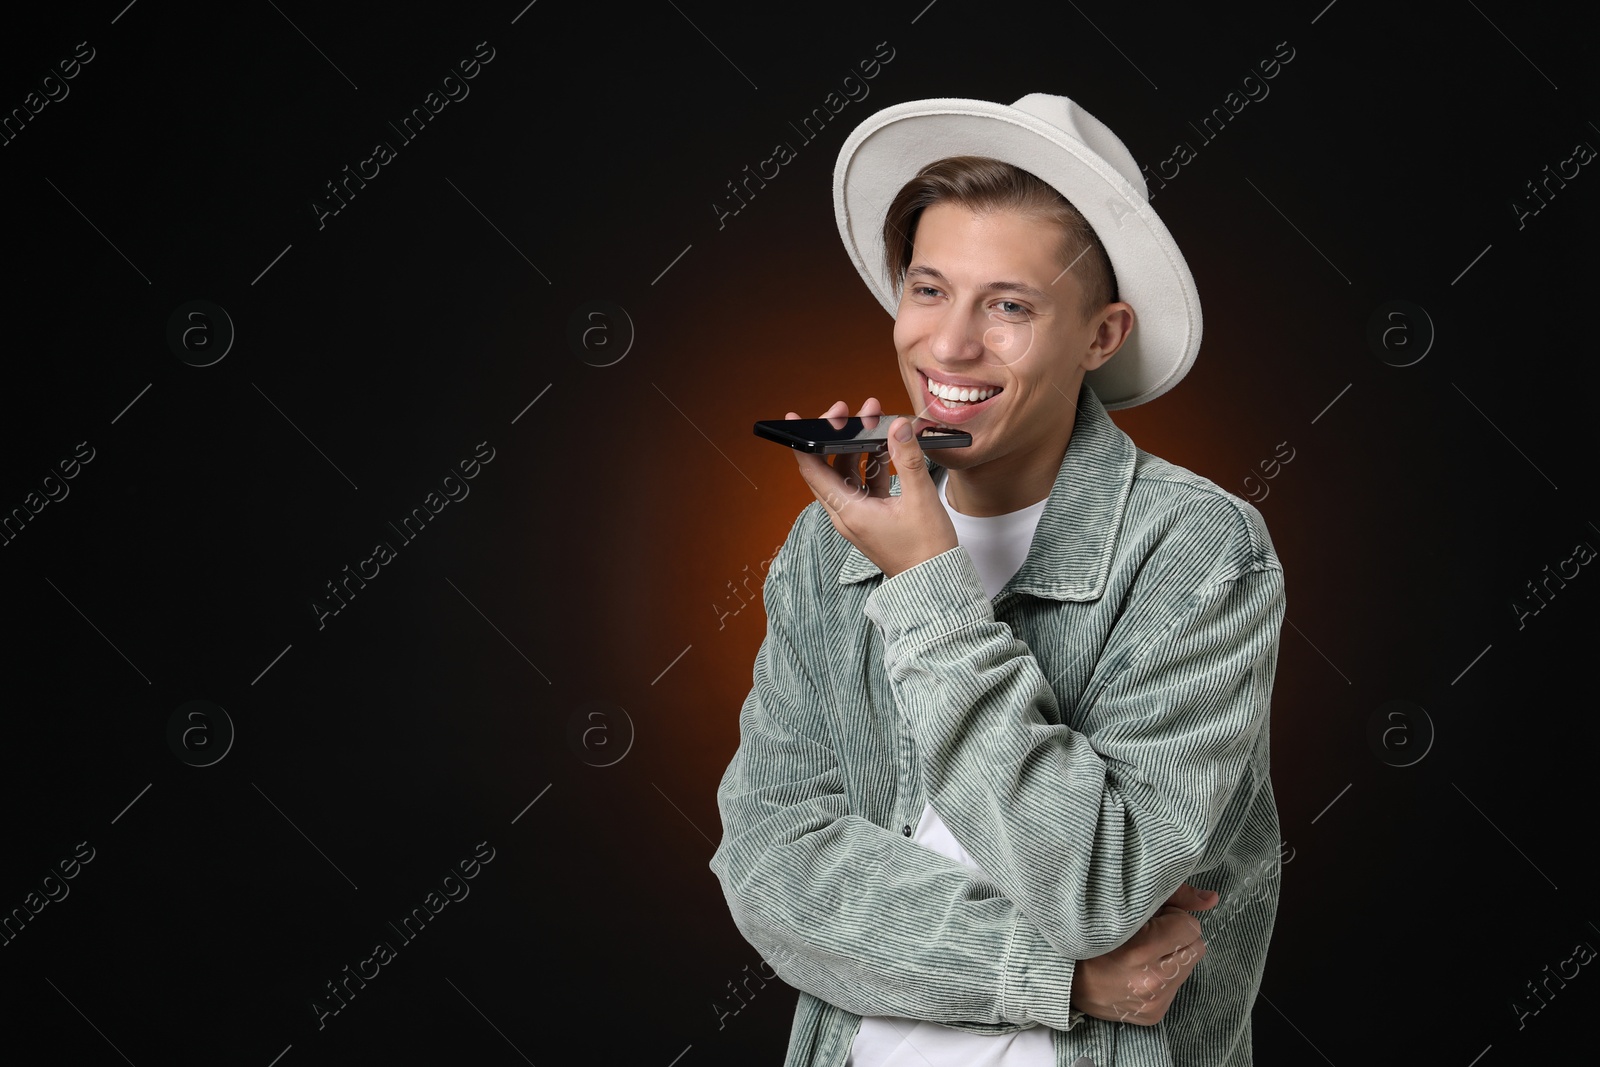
{"type": "Point", "coordinates": [1070, 557]}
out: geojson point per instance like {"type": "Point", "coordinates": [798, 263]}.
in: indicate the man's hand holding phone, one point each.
{"type": "Point", "coordinates": [894, 532]}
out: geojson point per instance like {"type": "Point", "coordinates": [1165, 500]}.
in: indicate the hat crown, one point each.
{"type": "Point", "coordinates": [1075, 122]}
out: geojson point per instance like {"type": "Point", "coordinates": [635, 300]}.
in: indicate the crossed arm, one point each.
{"type": "Point", "coordinates": [1081, 837]}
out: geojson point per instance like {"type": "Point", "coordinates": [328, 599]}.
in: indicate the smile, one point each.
{"type": "Point", "coordinates": [954, 403]}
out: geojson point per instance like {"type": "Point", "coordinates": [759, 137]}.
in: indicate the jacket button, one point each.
{"type": "Point", "coordinates": [907, 830]}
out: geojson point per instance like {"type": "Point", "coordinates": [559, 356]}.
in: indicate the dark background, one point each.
{"type": "Point", "coordinates": [555, 665]}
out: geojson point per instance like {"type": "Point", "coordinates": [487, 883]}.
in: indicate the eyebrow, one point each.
{"type": "Point", "coordinates": [993, 287]}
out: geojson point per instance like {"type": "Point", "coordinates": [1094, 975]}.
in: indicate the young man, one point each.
{"type": "Point", "coordinates": [1011, 708]}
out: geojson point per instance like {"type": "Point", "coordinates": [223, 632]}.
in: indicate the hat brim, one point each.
{"type": "Point", "coordinates": [889, 148]}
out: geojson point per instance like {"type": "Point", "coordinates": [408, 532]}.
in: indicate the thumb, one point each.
{"type": "Point", "coordinates": [909, 460]}
{"type": "Point", "coordinates": [1188, 898]}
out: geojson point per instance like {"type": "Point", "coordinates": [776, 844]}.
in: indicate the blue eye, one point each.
{"type": "Point", "coordinates": [1010, 307]}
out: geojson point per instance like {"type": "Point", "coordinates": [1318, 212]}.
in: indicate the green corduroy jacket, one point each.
{"type": "Point", "coordinates": [1094, 737]}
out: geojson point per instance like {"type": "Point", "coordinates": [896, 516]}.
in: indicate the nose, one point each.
{"type": "Point", "coordinates": [958, 336]}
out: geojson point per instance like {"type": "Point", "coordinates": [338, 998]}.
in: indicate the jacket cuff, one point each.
{"type": "Point", "coordinates": [1038, 982]}
{"type": "Point", "coordinates": [936, 597]}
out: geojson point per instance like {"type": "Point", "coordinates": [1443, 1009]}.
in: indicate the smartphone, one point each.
{"type": "Point", "coordinates": [853, 433]}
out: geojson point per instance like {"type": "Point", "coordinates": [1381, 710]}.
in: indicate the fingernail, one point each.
{"type": "Point", "coordinates": [903, 431]}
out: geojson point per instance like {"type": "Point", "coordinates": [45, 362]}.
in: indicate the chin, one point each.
{"type": "Point", "coordinates": [956, 459]}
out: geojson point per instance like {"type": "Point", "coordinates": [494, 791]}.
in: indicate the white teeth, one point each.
{"type": "Point", "coordinates": [959, 393]}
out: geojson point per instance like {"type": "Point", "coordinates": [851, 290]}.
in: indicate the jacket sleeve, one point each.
{"type": "Point", "coordinates": [1090, 832]}
{"type": "Point", "coordinates": [855, 914]}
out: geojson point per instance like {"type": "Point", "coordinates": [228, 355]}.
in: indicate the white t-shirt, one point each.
{"type": "Point", "coordinates": [998, 544]}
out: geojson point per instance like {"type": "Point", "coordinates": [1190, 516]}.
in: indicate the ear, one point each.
{"type": "Point", "coordinates": [1113, 325]}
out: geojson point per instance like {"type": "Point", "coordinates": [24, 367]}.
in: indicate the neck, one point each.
{"type": "Point", "coordinates": [1008, 484]}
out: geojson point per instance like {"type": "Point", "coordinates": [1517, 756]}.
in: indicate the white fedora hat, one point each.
{"type": "Point", "coordinates": [1057, 141]}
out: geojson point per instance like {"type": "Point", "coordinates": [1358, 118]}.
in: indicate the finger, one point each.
{"type": "Point", "coordinates": [874, 476]}
{"type": "Point", "coordinates": [1177, 965]}
{"type": "Point", "coordinates": [916, 484]}
{"type": "Point", "coordinates": [1149, 995]}
{"type": "Point", "coordinates": [1168, 931]}
{"type": "Point", "coordinates": [848, 465]}
{"type": "Point", "coordinates": [801, 456]}
{"type": "Point", "coordinates": [815, 469]}
{"type": "Point", "coordinates": [858, 468]}
{"type": "Point", "coordinates": [837, 413]}
{"type": "Point", "coordinates": [1152, 988]}
{"type": "Point", "coordinates": [1151, 992]}
{"type": "Point", "coordinates": [826, 482]}
{"type": "Point", "coordinates": [877, 473]}
{"type": "Point", "coordinates": [1191, 899]}
{"type": "Point", "coordinates": [1177, 925]}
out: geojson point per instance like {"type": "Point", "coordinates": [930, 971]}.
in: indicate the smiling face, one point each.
{"type": "Point", "coordinates": [993, 339]}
